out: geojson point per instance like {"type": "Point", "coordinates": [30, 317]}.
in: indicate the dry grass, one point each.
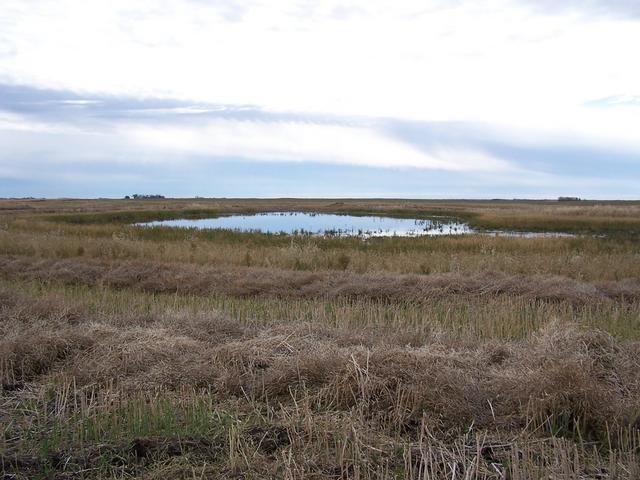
{"type": "Point", "coordinates": [582, 258]}
{"type": "Point", "coordinates": [247, 281]}
{"type": "Point", "coordinates": [171, 354]}
{"type": "Point", "coordinates": [538, 215]}
{"type": "Point", "coordinates": [327, 400]}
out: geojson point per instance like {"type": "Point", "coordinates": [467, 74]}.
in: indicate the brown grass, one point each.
{"type": "Point", "coordinates": [171, 354]}
{"type": "Point", "coordinates": [582, 258]}
{"type": "Point", "coordinates": [188, 279]}
{"type": "Point", "coordinates": [564, 383]}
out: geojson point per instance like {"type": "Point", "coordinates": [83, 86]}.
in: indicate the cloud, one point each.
{"type": "Point", "coordinates": [18, 123]}
{"type": "Point", "coordinates": [503, 88]}
{"type": "Point", "coordinates": [164, 128]}
{"type": "Point", "coordinates": [615, 101]}
{"type": "Point", "coordinates": [621, 8]}
{"type": "Point", "coordinates": [300, 142]}
{"type": "Point", "coordinates": [438, 61]}
{"type": "Point", "coordinates": [65, 128]}
{"type": "Point", "coordinates": [179, 136]}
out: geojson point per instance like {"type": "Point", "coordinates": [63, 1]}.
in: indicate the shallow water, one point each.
{"type": "Point", "coordinates": [329, 224]}
{"type": "Point", "coordinates": [508, 233]}
{"type": "Point", "coordinates": [323, 224]}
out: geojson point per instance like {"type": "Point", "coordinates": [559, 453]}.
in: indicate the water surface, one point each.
{"type": "Point", "coordinates": [322, 224]}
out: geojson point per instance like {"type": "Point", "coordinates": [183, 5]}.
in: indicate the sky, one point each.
{"type": "Point", "coordinates": [302, 98]}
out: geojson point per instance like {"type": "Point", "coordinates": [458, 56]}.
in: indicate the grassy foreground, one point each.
{"type": "Point", "coordinates": [158, 353]}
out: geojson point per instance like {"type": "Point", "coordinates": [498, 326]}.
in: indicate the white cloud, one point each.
{"type": "Point", "coordinates": [519, 69]}
{"type": "Point", "coordinates": [615, 8]}
{"type": "Point", "coordinates": [488, 60]}
{"type": "Point", "coordinates": [295, 142]}
{"type": "Point", "coordinates": [19, 123]}
{"type": "Point", "coordinates": [144, 142]}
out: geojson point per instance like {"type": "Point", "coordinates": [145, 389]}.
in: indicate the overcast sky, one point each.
{"type": "Point", "coordinates": [424, 98]}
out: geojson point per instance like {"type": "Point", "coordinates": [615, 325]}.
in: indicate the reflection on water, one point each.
{"type": "Point", "coordinates": [304, 223]}
{"type": "Point", "coordinates": [301, 223]}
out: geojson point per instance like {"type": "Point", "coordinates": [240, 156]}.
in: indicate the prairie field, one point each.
{"type": "Point", "coordinates": [135, 352]}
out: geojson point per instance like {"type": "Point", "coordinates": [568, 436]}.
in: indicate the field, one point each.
{"type": "Point", "coordinates": [130, 352]}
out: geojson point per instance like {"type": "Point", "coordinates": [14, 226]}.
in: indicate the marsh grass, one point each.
{"type": "Point", "coordinates": [621, 219]}
{"type": "Point", "coordinates": [580, 258]}
{"type": "Point", "coordinates": [130, 216]}
{"type": "Point", "coordinates": [463, 318]}
{"type": "Point", "coordinates": [170, 353]}
{"type": "Point", "coordinates": [129, 436]}
{"type": "Point", "coordinates": [298, 403]}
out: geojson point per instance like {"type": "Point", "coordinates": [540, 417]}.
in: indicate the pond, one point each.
{"type": "Point", "coordinates": [322, 224]}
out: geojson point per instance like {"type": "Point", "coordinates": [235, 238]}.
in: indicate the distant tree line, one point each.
{"type": "Point", "coordinates": [569, 199]}
{"type": "Point", "coordinates": [138, 196]}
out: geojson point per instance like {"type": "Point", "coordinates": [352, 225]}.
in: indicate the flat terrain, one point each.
{"type": "Point", "coordinates": [130, 352]}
